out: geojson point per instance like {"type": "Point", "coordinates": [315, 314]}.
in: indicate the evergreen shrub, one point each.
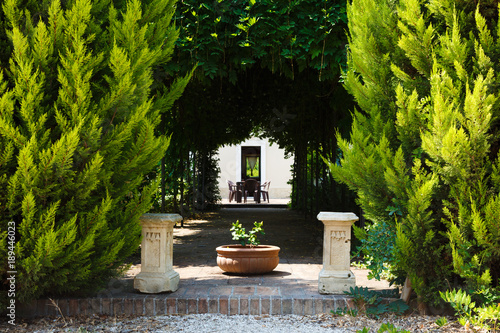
{"type": "Point", "coordinates": [77, 136]}
{"type": "Point", "coordinates": [425, 139]}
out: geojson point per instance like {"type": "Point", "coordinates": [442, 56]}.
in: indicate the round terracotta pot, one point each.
{"type": "Point", "coordinates": [247, 260]}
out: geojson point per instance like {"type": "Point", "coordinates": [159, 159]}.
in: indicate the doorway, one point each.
{"type": "Point", "coordinates": [251, 164]}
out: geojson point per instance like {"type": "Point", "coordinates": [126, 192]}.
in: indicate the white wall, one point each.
{"type": "Point", "coordinates": [275, 167]}
{"type": "Point", "coordinates": [279, 172]}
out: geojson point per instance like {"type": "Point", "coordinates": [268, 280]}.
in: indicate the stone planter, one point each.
{"type": "Point", "coordinates": [247, 260]}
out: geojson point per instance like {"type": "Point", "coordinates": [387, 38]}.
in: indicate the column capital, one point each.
{"type": "Point", "coordinates": [326, 217]}
{"type": "Point", "coordinates": [155, 218]}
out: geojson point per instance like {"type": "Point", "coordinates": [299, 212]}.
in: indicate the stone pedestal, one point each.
{"type": "Point", "coordinates": [336, 276]}
{"type": "Point", "coordinates": [157, 274]}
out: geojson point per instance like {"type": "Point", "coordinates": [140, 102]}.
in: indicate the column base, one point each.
{"type": "Point", "coordinates": [335, 282]}
{"type": "Point", "coordinates": [153, 283]}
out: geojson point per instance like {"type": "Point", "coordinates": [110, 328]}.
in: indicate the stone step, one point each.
{"type": "Point", "coordinates": [172, 305]}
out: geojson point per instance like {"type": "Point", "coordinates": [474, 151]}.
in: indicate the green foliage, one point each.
{"type": "Point", "coordinates": [460, 301]}
{"type": "Point", "coordinates": [419, 248]}
{"type": "Point", "coordinates": [372, 302]}
{"type": "Point", "coordinates": [190, 183]}
{"type": "Point", "coordinates": [206, 192]}
{"type": "Point", "coordinates": [239, 233]}
{"type": "Point", "coordinates": [353, 312]}
{"type": "Point", "coordinates": [390, 328]}
{"type": "Point", "coordinates": [384, 328]}
{"type": "Point", "coordinates": [377, 247]}
{"type": "Point", "coordinates": [77, 136]}
{"type": "Point", "coordinates": [226, 37]}
{"type": "Point", "coordinates": [441, 321]}
{"type": "Point", "coordinates": [485, 315]}
{"type": "Point", "coordinates": [423, 150]}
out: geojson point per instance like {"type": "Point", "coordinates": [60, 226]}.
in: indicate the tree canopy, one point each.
{"type": "Point", "coordinates": [227, 37]}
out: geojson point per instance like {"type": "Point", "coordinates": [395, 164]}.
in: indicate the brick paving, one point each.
{"type": "Point", "coordinates": [292, 288]}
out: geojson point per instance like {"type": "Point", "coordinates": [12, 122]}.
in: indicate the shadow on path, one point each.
{"type": "Point", "coordinates": [300, 240]}
{"type": "Point", "coordinates": [195, 258]}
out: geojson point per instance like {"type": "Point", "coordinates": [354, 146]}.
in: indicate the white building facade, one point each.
{"type": "Point", "coordinates": [256, 158]}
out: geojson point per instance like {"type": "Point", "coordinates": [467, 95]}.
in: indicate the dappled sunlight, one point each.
{"type": "Point", "coordinates": [188, 232]}
{"type": "Point", "coordinates": [299, 240]}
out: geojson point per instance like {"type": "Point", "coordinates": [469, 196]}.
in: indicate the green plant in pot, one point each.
{"type": "Point", "coordinates": [239, 233]}
{"type": "Point", "coordinates": [248, 257]}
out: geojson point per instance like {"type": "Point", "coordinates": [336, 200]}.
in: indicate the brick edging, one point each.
{"type": "Point", "coordinates": [153, 306]}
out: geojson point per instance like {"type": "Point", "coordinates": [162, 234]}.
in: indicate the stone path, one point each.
{"type": "Point", "coordinates": [204, 288]}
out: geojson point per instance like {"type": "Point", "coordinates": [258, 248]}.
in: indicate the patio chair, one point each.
{"type": "Point", "coordinates": [264, 189]}
{"type": "Point", "coordinates": [251, 187]}
{"type": "Point", "coordinates": [234, 193]}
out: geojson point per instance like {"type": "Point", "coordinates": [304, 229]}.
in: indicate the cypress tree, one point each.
{"type": "Point", "coordinates": [77, 136]}
{"type": "Point", "coordinates": [423, 151]}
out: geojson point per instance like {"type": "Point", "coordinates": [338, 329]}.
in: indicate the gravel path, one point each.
{"type": "Point", "coordinates": [210, 323]}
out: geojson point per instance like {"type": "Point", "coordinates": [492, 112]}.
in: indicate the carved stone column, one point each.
{"type": "Point", "coordinates": [336, 276]}
{"type": "Point", "coordinates": [157, 274]}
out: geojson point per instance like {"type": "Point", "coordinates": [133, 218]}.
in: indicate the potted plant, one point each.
{"type": "Point", "coordinates": [248, 257]}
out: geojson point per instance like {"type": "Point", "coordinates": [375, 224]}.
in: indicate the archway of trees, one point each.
{"type": "Point", "coordinates": [263, 68]}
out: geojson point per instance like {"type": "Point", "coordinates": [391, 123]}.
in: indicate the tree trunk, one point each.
{"type": "Point", "coordinates": [406, 291]}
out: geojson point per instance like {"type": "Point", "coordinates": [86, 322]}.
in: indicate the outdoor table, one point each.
{"type": "Point", "coordinates": [240, 186]}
